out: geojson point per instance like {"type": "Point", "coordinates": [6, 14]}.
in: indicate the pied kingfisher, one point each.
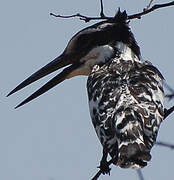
{"type": "Point", "coordinates": [126, 98]}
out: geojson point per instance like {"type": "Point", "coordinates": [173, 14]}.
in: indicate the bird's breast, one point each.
{"type": "Point", "coordinates": [121, 94]}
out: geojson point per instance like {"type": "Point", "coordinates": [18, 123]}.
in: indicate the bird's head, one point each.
{"type": "Point", "coordinates": [107, 32]}
{"type": "Point", "coordinates": [93, 45]}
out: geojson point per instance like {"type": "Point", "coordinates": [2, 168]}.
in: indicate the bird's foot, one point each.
{"type": "Point", "coordinates": [104, 167]}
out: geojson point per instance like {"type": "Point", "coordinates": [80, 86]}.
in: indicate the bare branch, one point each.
{"type": "Point", "coordinates": [159, 143]}
{"type": "Point", "coordinates": [99, 172]}
{"type": "Point", "coordinates": [103, 17]}
{"type": "Point", "coordinates": [96, 176]}
{"type": "Point", "coordinates": [168, 87]}
{"type": "Point", "coordinates": [101, 12]}
{"type": "Point", "coordinates": [148, 6]}
{"type": "Point", "coordinates": [167, 112]}
{"type": "Point", "coordinates": [171, 94]}
{"type": "Point", "coordinates": [140, 174]}
{"type": "Point", "coordinates": [156, 6]}
{"type": "Point", "coordinates": [81, 17]}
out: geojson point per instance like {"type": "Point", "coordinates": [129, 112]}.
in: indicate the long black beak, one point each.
{"type": "Point", "coordinates": [57, 63]}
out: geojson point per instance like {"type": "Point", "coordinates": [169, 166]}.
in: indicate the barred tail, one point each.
{"type": "Point", "coordinates": [132, 150]}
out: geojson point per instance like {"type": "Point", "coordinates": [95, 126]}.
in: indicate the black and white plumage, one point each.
{"type": "Point", "coordinates": [126, 106]}
{"type": "Point", "coordinates": [126, 98]}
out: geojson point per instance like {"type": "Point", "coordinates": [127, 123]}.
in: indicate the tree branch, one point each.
{"type": "Point", "coordinates": [159, 143]}
{"type": "Point", "coordinates": [140, 174]}
{"type": "Point", "coordinates": [99, 172]}
{"type": "Point", "coordinates": [171, 94]}
{"type": "Point", "coordinates": [101, 12]}
{"type": "Point", "coordinates": [81, 17]}
{"type": "Point", "coordinates": [156, 6]}
{"type": "Point", "coordinates": [148, 6]}
{"type": "Point", "coordinates": [167, 112]}
{"type": "Point", "coordinates": [103, 17]}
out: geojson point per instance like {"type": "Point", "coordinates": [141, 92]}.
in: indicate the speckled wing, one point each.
{"type": "Point", "coordinates": [126, 106]}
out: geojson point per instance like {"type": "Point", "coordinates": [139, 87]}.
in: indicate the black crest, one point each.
{"type": "Point", "coordinates": [120, 16]}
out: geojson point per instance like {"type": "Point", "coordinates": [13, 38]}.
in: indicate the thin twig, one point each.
{"type": "Point", "coordinates": [167, 112]}
{"type": "Point", "coordinates": [159, 143]}
{"type": "Point", "coordinates": [140, 174]}
{"type": "Point", "coordinates": [171, 94]}
{"type": "Point", "coordinates": [148, 6]}
{"type": "Point", "coordinates": [101, 11]}
{"type": "Point", "coordinates": [156, 6]}
{"type": "Point", "coordinates": [81, 17]}
{"type": "Point", "coordinates": [168, 87]}
{"type": "Point", "coordinates": [99, 172]}
{"type": "Point", "coordinates": [134, 16]}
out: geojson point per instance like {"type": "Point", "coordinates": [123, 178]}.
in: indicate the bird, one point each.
{"type": "Point", "coordinates": [125, 92]}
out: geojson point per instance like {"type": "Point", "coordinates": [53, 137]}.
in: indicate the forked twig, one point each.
{"type": "Point", "coordinates": [103, 17]}
{"type": "Point", "coordinates": [156, 6]}
{"type": "Point", "coordinates": [167, 112]}
{"type": "Point", "coordinates": [81, 17]}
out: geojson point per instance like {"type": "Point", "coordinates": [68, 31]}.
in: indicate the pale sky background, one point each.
{"type": "Point", "coordinates": [52, 138]}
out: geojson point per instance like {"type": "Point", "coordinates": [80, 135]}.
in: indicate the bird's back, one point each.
{"type": "Point", "coordinates": [126, 107]}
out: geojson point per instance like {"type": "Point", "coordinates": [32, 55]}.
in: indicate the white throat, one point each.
{"type": "Point", "coordinates": [126, 52]}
